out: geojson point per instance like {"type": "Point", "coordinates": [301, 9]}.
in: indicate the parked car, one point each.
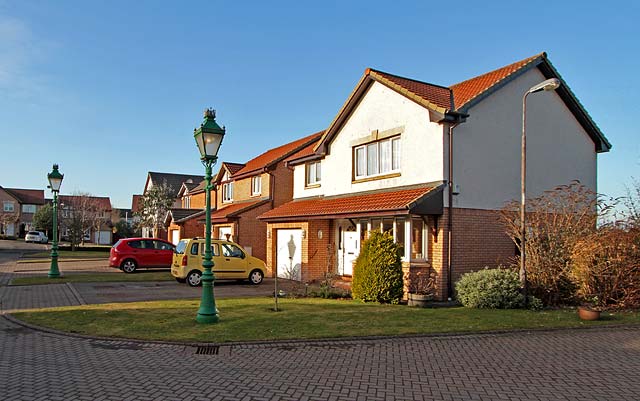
{"type": "Point", "coordinates": [36, 236]}
{"type": "Point", "coordinates": [128, 254]}
{"type": "Point", "coordinates": [230, 262]}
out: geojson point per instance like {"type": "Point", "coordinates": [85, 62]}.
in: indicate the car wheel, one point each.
{"type": "Point", "coordinates": [129, 266]}
{"type": "Point", "coordinates": [181, 280]}
{"type": "Point", "coordinates": [194, 278]}
{"type": "Point", "coordinates": [255, 277]}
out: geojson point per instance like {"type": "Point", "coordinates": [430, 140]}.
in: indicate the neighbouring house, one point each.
{"type": "Point", "coordinates": [431, 165]}
{"type": "Point", "coordinates": [187, 221]}
{"type": "Point", "coordinates": [245, 191]}
{"type": "Point", "coordinates": [174, 183]}
{"type": "Point", "coordinates": [17, 209]}
{"type": "Point", "coordinates": [89, 214]}
{"type": "Point", "coordinates": [135, 208]}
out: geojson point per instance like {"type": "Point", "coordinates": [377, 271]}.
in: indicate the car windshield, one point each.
{"type": "Point", "coordinates": [33, 233]}
{"type": "Point", "coordinates": [182, 245]}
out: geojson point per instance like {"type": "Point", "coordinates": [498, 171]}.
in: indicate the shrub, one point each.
{"type": "Point", "coordinates": [493, 288]}
{"type": "Point", "coordinates": [606, 268]}
{"type": "Point", "coordinates": [377, 274]}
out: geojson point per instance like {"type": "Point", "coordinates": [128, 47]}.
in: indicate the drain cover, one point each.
{"type": "Point", "coordinates": [208, 350]}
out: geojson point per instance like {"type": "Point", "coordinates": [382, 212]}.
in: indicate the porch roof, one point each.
{"type": "Point", "coordinates": [233, 210]}
{"type": "Point", "coordinates": [416, 200]}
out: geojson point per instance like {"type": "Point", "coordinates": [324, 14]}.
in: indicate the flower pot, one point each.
{"type": "Point", "coordinates": [587, 313]}
{"type": "Point", "coordinates": [419, 300]}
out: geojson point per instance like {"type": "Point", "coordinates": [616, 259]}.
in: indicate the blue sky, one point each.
{"type": "Point", "coordinates": [112, 90]}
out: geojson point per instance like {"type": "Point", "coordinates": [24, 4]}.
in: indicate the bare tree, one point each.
{"type": "Point", "coordinates": [80, 213]}
{"type": "Point", "coordinates": [154, 206]}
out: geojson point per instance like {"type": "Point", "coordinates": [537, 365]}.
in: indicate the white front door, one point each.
{"type": "Point", "coordinates": [175, 237]}
{"type": "Point", "coordinates": [349, 252]}
{"type": "Point", "coordinates": [9, 229]}
{"type": "Point", "coordinates": [225, 233]}
{"type": "Point", "coordinates": [289, 254]}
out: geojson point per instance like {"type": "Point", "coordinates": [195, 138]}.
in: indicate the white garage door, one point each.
{"type": "Point", "coordinates": [225, 233]}
{"type": "Point", "coordinates": [289, 254]}
{"type": "Point", "coordinates": [102, 237]}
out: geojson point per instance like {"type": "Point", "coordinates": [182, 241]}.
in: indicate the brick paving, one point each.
{"type": "Point", "coordinates": [599, 364]}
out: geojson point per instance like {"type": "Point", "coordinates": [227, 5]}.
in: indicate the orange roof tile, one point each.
{"type": "Point", "coordinates": [344, 205]}
{"type": "Point", "coordinates": [306, 151]}
{"type": "Point", "coordinates": [103, 202]}
{"type": "Point", "coordinates": [28, 196]}
{"type": "Point", "coordinates": [436, 94]}
{"type": "Point", "coordinates": [234, 209]}
{"type": "Point", "coordinates": [468, 90]}
{"type": "Point", "coordinates": [275, 155]}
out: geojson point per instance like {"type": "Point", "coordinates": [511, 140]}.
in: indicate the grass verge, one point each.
{"type": "Point", "coordinates": [253, 319]}
{"type": "Point", "coordinates": [96, 278]}
{"type": "Point", "coordinates": [67, 255]}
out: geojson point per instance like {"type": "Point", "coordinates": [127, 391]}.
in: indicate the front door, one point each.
{"type": "Point", "coordinates": [225, 233]}
{"type": "Point", "coordinates": [289, 254]}
{"type": "Point", "coordinates": [349, 251]}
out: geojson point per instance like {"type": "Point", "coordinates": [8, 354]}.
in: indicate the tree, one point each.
{"type": "Point", "coordinates": [43, 220]}
{"type": "Point", "coordinates": [125, 229]}
{"type": "Point", "coordinates": [80, 213]}
{"type": "Point", "coordinates": [154, 206]}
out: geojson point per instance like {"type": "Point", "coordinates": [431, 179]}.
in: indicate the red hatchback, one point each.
{"type": "Point", "coordinates": [130, 253]}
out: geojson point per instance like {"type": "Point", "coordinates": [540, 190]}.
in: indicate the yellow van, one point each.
{"type": "Point", "coordinates": [230, 262]}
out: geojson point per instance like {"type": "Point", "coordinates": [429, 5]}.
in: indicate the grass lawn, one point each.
{"type": "Point", "coordinates": [116, 276]}
{"type": "Point", "coordinates": [254, 319]}
{"type": "Point", "coordinates": [67, 255]}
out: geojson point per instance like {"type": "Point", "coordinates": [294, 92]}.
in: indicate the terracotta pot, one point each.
{"type": "Point", "coordinates": [419, 300]}
{"type": "Point", "coordinates": [587, 313]}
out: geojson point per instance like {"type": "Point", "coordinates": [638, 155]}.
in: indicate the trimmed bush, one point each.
{"type": "Point", "coordinates": [493, 288]}
{"type": "Point", "coordinates": [377, 274]}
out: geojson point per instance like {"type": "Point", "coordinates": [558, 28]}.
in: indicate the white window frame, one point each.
{"type": "Point", "coordinates": [227, 192]}
{"type": "Point", "coordinates": [187, 202]}
{"type": "Point", "coordinates": [313, 173]}
{"type": "Point", "coordinates": [256, 185]}
{"type": "Point", "coordinates": [26, 208]}
{"type": "Point", "coordinates": [9, 206]}
{"type": "Point", "coordinates": [370, 164]}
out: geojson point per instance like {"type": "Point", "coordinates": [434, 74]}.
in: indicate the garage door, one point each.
{"type": "Point", "coordinates": [225, 233]}
{"type": "Point", "coordinates": [289, 254]}
{"type": "Point", "coordinates": [102, 237]}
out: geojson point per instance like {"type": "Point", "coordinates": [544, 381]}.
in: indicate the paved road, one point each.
{"type": "Point", "coordinates": [601, 364]}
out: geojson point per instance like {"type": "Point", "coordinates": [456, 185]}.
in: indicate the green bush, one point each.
{"type": "Point", "coordinates": [377, 274]}
{"type": "Point", "coordinates": [493, 288]}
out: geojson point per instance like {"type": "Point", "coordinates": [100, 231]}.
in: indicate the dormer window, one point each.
{"type": "Point", "coordinates": [187, 202]}
{"type": "Point", "coordinates": [313, 173]}
{"type": "Point", "coordinates": [256, 185]}
{"type": "Point", "coordinates": [227, 192]}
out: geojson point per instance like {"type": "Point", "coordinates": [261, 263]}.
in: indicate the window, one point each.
{"type": "Point", "coordinates": [28, 208]}
{"type": "Point", "coordinates": [8, 206]}
{"type": "Point", "coordinates": [313, 173]}
{"type": "Point", "coordinates": [256, 185]}
{"type": "Point", "coordinates": [215, 249]}
{"type": "Point", "coordinates": [227, 192]}
{"type": "Point", "coordinates": [377, 158]}
{"type": "Point", "coordinates": [418, 239]}
{"type": "Point", "coordinates": [187, 202]}
{"type": "Point", "coordinates": [231, 251]}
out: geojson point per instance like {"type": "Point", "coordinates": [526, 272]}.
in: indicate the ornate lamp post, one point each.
{"type": "Point", "coordinates": [55, 181]}
{"type": "Point", "coordinates": [208, 138]}
{"type": "Point", "coordinates": [548, 85]}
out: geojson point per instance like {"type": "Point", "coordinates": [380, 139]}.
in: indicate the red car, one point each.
{"type": "Point", "coordinates": [128, 254]}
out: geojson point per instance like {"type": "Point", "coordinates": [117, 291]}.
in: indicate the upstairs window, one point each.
{"type": "Point", "coordinates": [8, 206]}
{"type": "Point", "coordinates": [313, 173]}
{"type": "Point", "coordinates": [256, 185]}
{"type": "Point", "coordinates": [377, 158]}
{"type": "Point", "coordinates": [227, 192]}
{"type": "Point", "coordinates": [28, 208]}
{"type": "Point", "coordinates": [187, 202]}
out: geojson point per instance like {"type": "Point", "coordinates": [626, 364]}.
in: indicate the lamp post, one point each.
{"type": "Point", "coordinates": [55, 181]}
{"type": "Point", "coordinates": [208, 138]}
{"type": "Point", "coordinates": [548, 85]}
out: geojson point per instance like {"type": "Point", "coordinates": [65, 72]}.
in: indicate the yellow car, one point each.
{"type": "Point", "coordinates": [230, 262]}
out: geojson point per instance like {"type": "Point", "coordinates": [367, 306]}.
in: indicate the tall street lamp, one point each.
{"type": "Point", "coordinates": [208, 138]}
{"type": "Point", "coordinates": [548, 85]}
{"type": "Point", "coordinates": [55, 181]}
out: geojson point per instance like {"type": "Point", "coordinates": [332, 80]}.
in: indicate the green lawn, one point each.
{"type": "Point", "coordinates": [254, 319]}
{"type": "Point", "coordinates": [116, 276]}
{"type": "Point", "coordinates": [68, 255]}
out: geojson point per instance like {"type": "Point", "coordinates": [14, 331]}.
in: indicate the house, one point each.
{"type": "Point", "coordinates": [173, 182]}
{"type": "Point", "coordinates": [88, 214]}
{"type": "Point", "coordinates": [431, 165]}
{"type": "Point", "coordinates": [187, 221]}
{"type": "Point", "coordinates": [245, 191]}
{"type": "Point", "coordinates": [18, 208]}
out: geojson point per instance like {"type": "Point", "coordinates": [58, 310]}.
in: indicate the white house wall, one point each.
{"type": "Point", "coordinates": [380, 109]}
{"type": "Point", "coordinates": [487, 147]}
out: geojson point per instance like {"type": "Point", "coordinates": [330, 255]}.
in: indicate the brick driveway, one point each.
{"type": "Point", "coordinates": [598, 364]}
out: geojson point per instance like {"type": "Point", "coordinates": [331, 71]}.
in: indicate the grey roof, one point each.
{"type": "Point", "coordinates": [180, 215]}
{"type": "Point", "coordinates": [174, 181]}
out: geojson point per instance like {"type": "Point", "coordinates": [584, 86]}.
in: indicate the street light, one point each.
{"type": "Point", "coordinates": [548, 85]}
{"type": "Point", "coordinates": [208, 138]}
{"type": "Point", "coordinates": [55, 181]}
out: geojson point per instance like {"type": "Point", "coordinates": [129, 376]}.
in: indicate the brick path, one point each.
{"type": "Point", "coordinates": [602, 364]}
